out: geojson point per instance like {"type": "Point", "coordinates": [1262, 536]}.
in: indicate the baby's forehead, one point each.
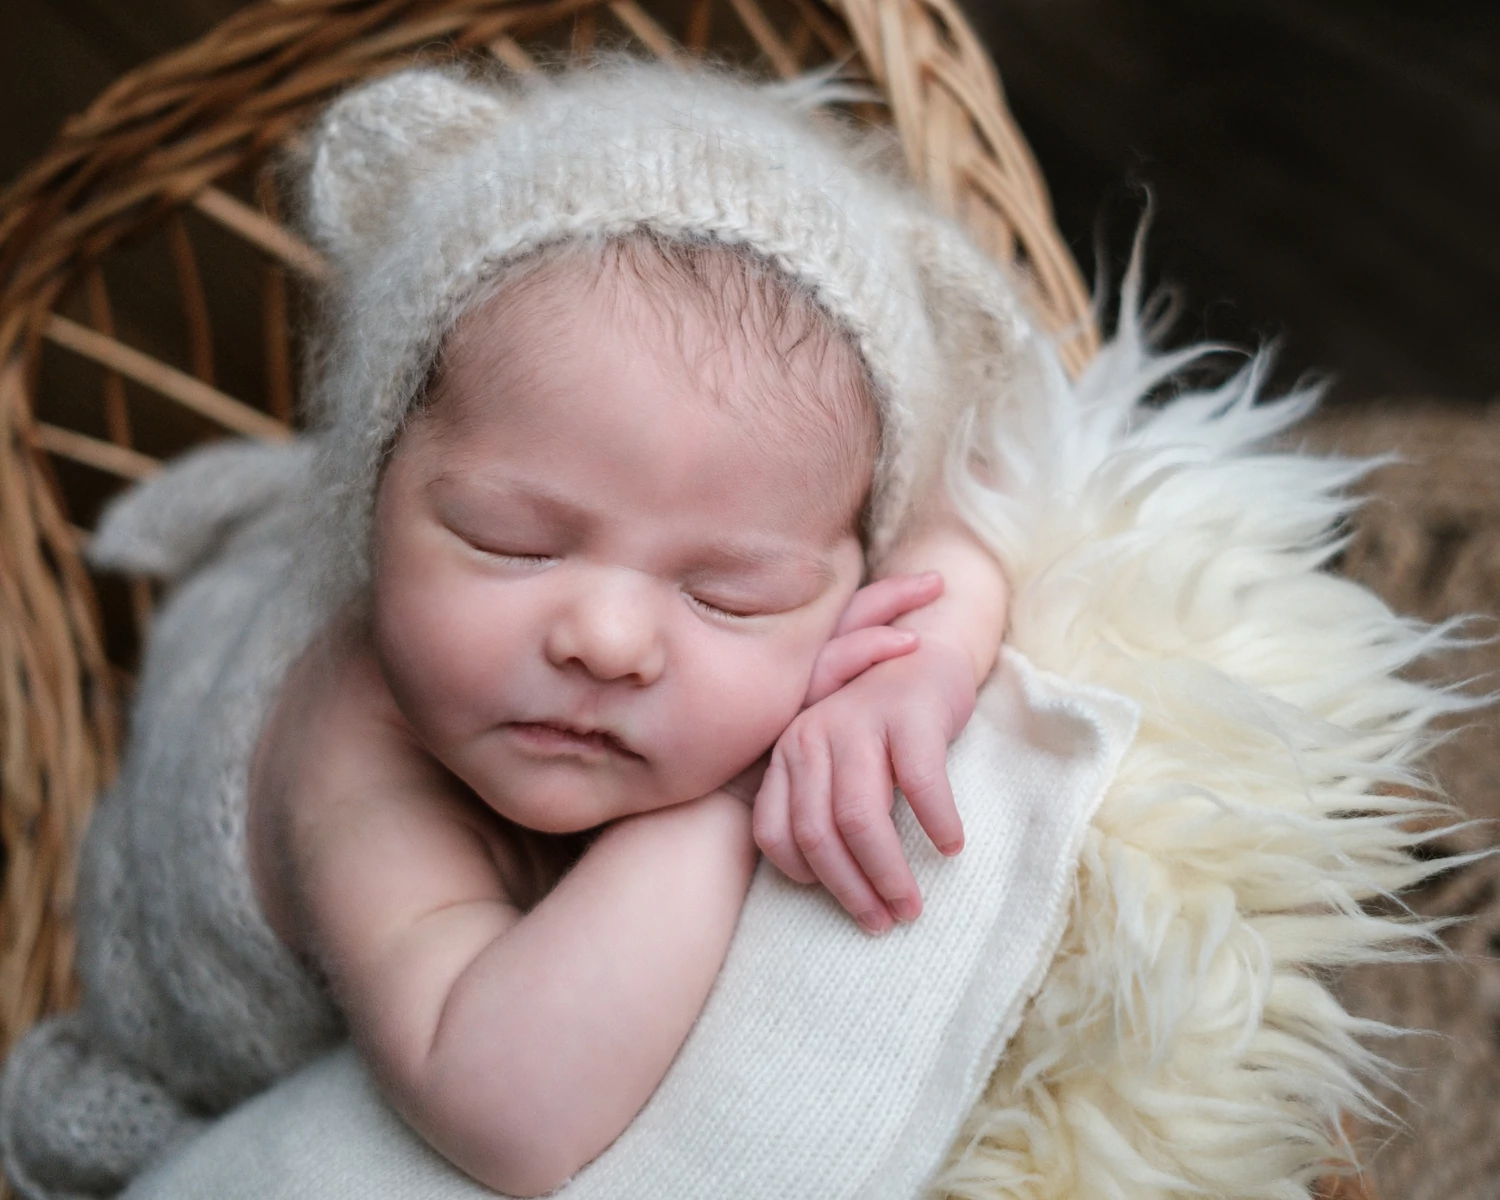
{"type": "Point", "coordinates": [751, 340]}
{"type": "Point", "coordinates": [712, 303]}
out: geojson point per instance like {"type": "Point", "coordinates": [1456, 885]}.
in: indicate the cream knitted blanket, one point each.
{"type": "Point", "coordinates": [826, 1064]}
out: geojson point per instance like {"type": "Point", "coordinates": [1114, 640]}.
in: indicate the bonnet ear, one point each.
{"type": "Point", "coordinates": [981, 328]}
{"type": "Point", "coordinates": [993, 362]}
{"type": "Point", "coordinates": [999, 420]}
{"type": "Point", "coordinates": [375, 142]}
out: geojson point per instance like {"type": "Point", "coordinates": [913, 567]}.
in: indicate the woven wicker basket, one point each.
{"type": "Point", "coordinates": [170, 164]}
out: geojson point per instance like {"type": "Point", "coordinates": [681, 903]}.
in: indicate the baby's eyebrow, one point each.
{"type": "Point", "coordinates": [549, 502]}
{"type": "Point", "coordinates": [741, 556]}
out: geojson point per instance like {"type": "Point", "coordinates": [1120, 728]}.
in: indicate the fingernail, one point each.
{"type": "Point", "coordinates": [904, 636]}
{"type": "Point", "coordinates": [951, 848]}
{"type": "Point", "coordinates": [874, 921]}
{"type": "Point", "coordinates": [906, 909]}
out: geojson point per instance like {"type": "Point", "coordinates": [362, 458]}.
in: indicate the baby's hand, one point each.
{"type": "Point", "coordinates": [882, 708]}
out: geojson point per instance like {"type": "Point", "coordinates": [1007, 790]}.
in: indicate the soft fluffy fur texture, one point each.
{"type": "Point", "coordinates": [1184, 1042]}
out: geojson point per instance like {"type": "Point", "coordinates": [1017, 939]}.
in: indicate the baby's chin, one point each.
{"type": "Point", "coordinates": [564, 797]}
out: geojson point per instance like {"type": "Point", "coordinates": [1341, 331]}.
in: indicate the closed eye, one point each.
{"type": "Point", "coordinates": [736, 612]}
{"type": "Point", "coordinates": [522, 560]}
{"type": "Point", "coordinates": [509, 557]}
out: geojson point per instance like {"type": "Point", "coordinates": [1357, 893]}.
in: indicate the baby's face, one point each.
{"type": "Point", "coordinates": [598, 589]}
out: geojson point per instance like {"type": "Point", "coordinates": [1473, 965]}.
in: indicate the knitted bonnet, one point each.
{"type": "Point", "coordinates": [423, 186]}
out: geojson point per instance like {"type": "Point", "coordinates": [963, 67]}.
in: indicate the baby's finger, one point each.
{"type": "Point", "coordinates": [881, 602]}
{"type": "Point", "coordinates": [846, 657]}
{"type": "Point", "coordinates": [772, 826]}
{"type": "Point", "coordinates": [862, 798]}
{"type": "Point", "coordinates": [824, 849]}
{"type": "Point", "coordinates": [919, 755]}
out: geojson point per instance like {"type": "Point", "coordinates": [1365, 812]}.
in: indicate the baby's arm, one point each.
{"type": "Point", "coordinates": [823, 812]}
{"type": "Point", "coordinates": [969, 617]}
{"type": "Point", "coordinates": [518, 1044]}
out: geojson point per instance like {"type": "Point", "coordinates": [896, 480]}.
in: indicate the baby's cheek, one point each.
{"type": "Point", "coordinates": [434, 647]}
{"type": "Point", "coordinates": [753, 699]}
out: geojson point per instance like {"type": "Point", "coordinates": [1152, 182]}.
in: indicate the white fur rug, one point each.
{"type": "Point", "coordinates": [1186, 1041]}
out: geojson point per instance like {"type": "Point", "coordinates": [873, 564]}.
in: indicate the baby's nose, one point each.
{"type": "Point", "coordinates": [610, 629]}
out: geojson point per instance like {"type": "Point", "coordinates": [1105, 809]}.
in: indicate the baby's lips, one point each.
{"type": "Point", "coordinates": [604, 738]}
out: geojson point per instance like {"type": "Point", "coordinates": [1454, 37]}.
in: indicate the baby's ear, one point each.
{"type": "Point", "coordinates": [373, 144]}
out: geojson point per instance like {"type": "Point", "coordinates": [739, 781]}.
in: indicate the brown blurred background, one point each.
{"type": "Point", "coordinates": [1325, 173]}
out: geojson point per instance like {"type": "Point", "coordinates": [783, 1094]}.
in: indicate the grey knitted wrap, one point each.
{"type": "Point", "coordinates": [190, 1003]}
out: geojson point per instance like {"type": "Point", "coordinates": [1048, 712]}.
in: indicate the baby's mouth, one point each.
{"type": "Point", "coordinates": [554, 737]}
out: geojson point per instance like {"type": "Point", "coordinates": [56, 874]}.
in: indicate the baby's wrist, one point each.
{"type": "Point", "coordinates": [950, 659]}
{"type": "Point", "coordinates": [732, 807]}
{"type": "Point", "coordinates": [723, 819]}
{"type": "Point", "coordinates": [713, 831]}
{"type": "Point", "coordinates": [745, 786]}
{"type": "Point", "coordinates": [718, 807]}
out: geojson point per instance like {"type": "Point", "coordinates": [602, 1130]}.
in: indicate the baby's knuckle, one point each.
{"type": "Point", "coordinates": [780, 858]}
{"type": "Point", "coordinates": [923, 778]}
{"type": "Point", "coordinates": [811, 836]}
{"type": "Point", "coordinates": [791, 751]}
{"type": "Point", "coordinates": [769, 835]}
{"type": "Point", "coordinates": [776, 765]}
{"type": "Point", "coordinates": [855, 818]}
{"type": "Point", "coordinates": [803, 736]}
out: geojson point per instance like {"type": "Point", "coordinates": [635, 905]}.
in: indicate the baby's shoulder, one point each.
{"type": "Point", "coordinates": [339, 777]}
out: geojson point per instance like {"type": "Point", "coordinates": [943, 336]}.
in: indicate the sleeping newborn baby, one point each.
{"type": "Point", "coordinates": [622, 545]}
{"type": "Point", "coordinates": [616, 550]}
